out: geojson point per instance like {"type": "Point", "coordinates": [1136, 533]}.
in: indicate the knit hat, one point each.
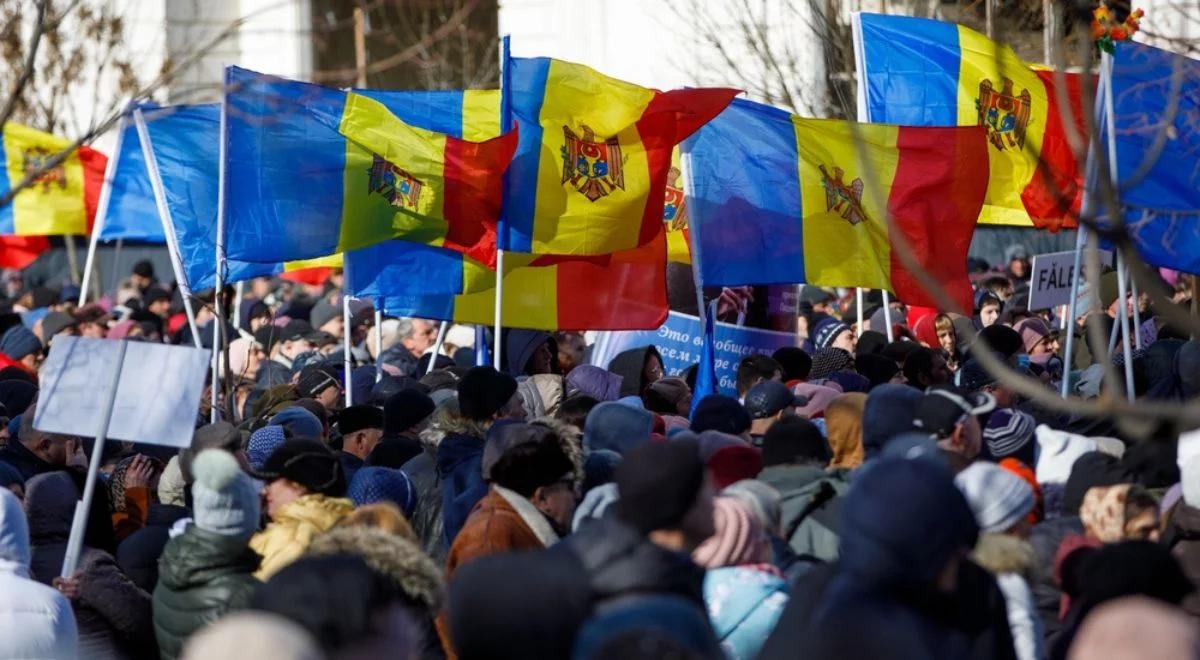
{"type": "Point", "coordinates": [54, 323]}
{"type": "Point", "coordinates": [616, 427]}
{"type": "Point", "coordinates": [664, 396]}
{"type": "Point", "coordinates": [888, 413]}
{"type": "Point", "coordinates": [1103, 512]}
{"type": "Point", "coordinates": [794, 440]}
{"type": "Point", "coordinates": [218, 435]}
{"type": "Point", "coordinates": [358, 418]}
{"type": "Point", "coordinates": [827, 331]}
{"type": "Point", "coordinates": [734, 463]}
{"type": "Point", "coordinates": [404, 410]}
{"type": "Point", "coordinates": [263, 443]}
{"type": "Point", "coordinates": [828, 360]}
{"type": "Point", "coordinates": [738, 538]}
{"type": "Point", "coordinates": [717, 412]}
{"type": "Point", "coordinates": [818, 397]}
{"type": "Point", "coordinates": [316, 378]}
{"type": "Point", "coordinates": [876, 368]}
{"type": "Point", "coordinates": [998, 498]}
{"type": "Point", "coordinates": [1009, 432]}
{"type": "Point", "coordinates": [658, 483]}
{"type": "Point", "coordinates": [795, 362]}
{"type": "Point", "coordinates": [299, 422]}
{"type": "Point", "coordinates": [18, 342]}
{"type": "Point", "coordinates": [762, 499]}
{"type": "Point", "coordinates": [323, 313]}
{"type": "Point", "coordinates": [483, 391]}
{"type": "Point", "coordinates": [225, 500]}
{"type": "Point", "coordinates": [308, 463]}
{"type": "Point", "coordinates": [380, 484]}
{"type": "Point", "coordinates": [1033, 330]}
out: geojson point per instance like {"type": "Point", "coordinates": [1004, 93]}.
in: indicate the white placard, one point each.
{"type": "Point", "coordinates": [157, 399]}
{"type": "Point", "coordinates": [1051, 275]}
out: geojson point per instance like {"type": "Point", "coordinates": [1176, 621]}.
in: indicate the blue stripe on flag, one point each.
{"type": "Point", "coordinates": [912, 67]}
{"type": "Point", "coordinates": [131, 213]}
{"type": "Point", "coordinates": [525, 95]}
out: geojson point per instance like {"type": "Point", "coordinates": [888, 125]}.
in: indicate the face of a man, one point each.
{"type": "Point", "coordinates": [570, 350]}
{"type": "Point", "coordinates": [939, 372]}
{"type": "Point", "coordinates": [424, 335]}
{"type": "Point", "coordinates": [541, 360]}
{"type": "Point", "coordinates": [988, 315]}
{"type": "Point", "coordinates": [514, 409]}
{"type": "Point", "coordinates": [290, 349]}
{"type": "Point", "coordinates": [557, 502]}
{"type": "Point", "coordinates": [330, 398]}
{"type": "Point", "coordinates": [92, 330]}
{"type": "Point", "coordinates": [160, 308]}
{"type": "Point", "coordinates": [335, 326]}
{"type": "Point", "coordinates": [846, 341]}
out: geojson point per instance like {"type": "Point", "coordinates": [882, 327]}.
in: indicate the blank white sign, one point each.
{"type": "Point", "coordinates": [157, 398]}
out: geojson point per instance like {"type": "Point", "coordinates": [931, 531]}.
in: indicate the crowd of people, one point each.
{"type": "Point", "coordinates": [858, 496]}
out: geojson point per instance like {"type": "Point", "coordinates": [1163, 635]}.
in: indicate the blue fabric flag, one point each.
{"type": "Point", "coordinates": [130, 213]}
{"type": "Point", "coordinates": [1161, 203]}
{"type": "Point", "coordinates": [483, 357]}
{"type": "Point", "coordinates": [706, 372]}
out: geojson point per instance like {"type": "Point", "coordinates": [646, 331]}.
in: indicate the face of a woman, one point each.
{"type": "Point", "coordinates": [1143, 527]}
{"type": "Point", "coordinates": [653, 371]}
{"type": "Point", "coordinates": [947, 341]}
{"type": "Point", "coordinates": [280, 493]}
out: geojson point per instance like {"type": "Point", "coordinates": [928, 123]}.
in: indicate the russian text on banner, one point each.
{"type": "Point", "coordinates": [591, 167]}
{"type": "Point", "coordinates": [922, 72]}
{"type": "Point", "coordinates": [298, 189]}
{"type": "Point", "coordinates": [62, 199]}
{"type": "Point", "coordinates": [621, 291]}
{"type": "Point", "coordinates": [1156, 105]}
{"type": "Point", "coordinates": [778, 199]}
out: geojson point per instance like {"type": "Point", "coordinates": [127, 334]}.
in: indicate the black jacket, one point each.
{"type": "Point", "coordinates": [138, 554]}
{"type": "Point", "coordinates": [17, 455]}
{"type": "Point", "coordinates": [202, 576]}
{"type": "Point", "coordinates": [1045, 539]}
{"type": "Point", "coordinates": [427, 519]}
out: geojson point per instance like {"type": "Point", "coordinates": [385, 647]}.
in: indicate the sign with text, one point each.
{"type": "Point", "coordinates": [158, 393]}
{"type": "Point", "coordinates": [1051, 276]}
{"type": "Point", "coordinates": [679, 341]}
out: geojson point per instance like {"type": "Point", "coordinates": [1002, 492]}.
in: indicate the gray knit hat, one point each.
{"type": "Point", "coordinates": [224, 499]}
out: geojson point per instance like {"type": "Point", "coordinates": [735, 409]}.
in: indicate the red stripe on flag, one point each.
{"type": "Point", "coordinates": [94, 164]}
{"type": "Point", "coordinates": [629, 292]}
{"type": "Point", "coordinates": [311, 276]}
{"type": "Point", "coordinates": [1053, 196]}
{"type": "Point", "coordinates": [669, 119]}
{"type": "Point", "coordinates": [474, 177]}
{"type": "Point", "coordinates": [937, 193]}
{"type": "Point", "coordinates": [20, 251]}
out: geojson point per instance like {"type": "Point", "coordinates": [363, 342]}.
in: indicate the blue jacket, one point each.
{"type": "Point", "coordinates": [460, 466]}
{"type": "Point", "coordinates": [744, 603]}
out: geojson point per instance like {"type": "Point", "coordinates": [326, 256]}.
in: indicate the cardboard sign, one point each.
{"type": "Point", "coordinates": [157, 399]}
{"type": "Point", "coordinates": [1051, 276]}
{"type": "Point", "coordinates": [679, 342]}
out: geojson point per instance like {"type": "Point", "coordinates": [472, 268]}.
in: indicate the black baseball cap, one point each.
{"type": "Point", "coordinates": [769, 397]}
{"type": "Point", "coordinates": [295, 329]}
{"type": "Point", "coordinates": [307, 462]}
{"type": "Point", "coordinates": [944, 407]}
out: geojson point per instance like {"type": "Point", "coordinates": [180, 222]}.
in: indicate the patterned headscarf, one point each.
{"type": "Point", "coordinates": [1103, 512]}
{"type": "Point", "coordinates": [828, 360]}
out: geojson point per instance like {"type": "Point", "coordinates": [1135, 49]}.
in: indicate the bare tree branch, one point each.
{"type": "Point", "coordinates": [18, 88]}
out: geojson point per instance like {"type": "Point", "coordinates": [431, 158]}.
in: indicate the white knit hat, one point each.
{"type": "Point", "coordinates": [998, 498]}
{"type": "Point", "coordinates": [224, 499]}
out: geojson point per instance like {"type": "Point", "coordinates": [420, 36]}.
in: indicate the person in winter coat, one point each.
{"type": "Point", "coordinates": [34, 452]}
{"type": "Point", "coordinates": [361, 427]}
{"type": "Point", "coordinates": [533, 470]}
{"type": "Point", "coordinates": [843, 427]}
{"type": "Point", "coordinates": [138, 554]}
{"type": "Point", "coordinates": [305, 485]}
{"type": "Point", "coordinates": [616, 427]}
{"type": "Point", "coordinates": [1001, 502]}
{"type": "Point", "coordinates": [638, 368]}
{"type": "Point", "coordinates": [427, 519]}
{"type": "Point", "coordinates": [208, 570]}
{"type": "Point", "coordinates": [404, 415]}
{"type": "Point", "coordinates": [744, 592]}
{"type": "Point", "coordinates": [794, 459]}
{"type": "Point", "coordinates": [113, 614]}
{"type": "Point", "coordinates": [35, 620]}
{"type": "Point", "coordinates": [1183, 533]}
{"type": "Point", "coordinates": [484, 396]}
{"type": "Point", "coordinates": [600, 384]}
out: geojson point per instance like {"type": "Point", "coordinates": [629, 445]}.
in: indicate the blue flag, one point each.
{"type": "Point", "coordinates": [130, 212]}
{"type": "Point", "coordinates": [1161, 203]}
{"type": "Point", "coordinates": [706, 372]}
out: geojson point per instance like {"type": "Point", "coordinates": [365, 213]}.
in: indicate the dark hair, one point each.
{"type": "Point", "coordinates": [753, 368]}
{"type": "Point", "coordinates": [532, 465]}
{"type": "Point", "coordinates": [1137, 501]}
{"type": "Point", "coordinates": [574, 409]}
{"type": "Point", "coordinates": [995, 283]}
{"type": "Point", "coordinates": [919, 362]}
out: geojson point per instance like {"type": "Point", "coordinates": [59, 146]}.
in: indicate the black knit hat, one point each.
{"type": "Point", "coordinates": [483, 391]}
{"type": "Point", "coordinates": [795, 362]}
{"type": "Point", "coordinates": [308, 463]}
{"type": "Point", "coordinates": [717, 412]}
{"type": "Point", "coordinates": [356, 418]}
{"type": "Point", "coordinates": [658, 483]}
{"type": "Point", "coordinates": [794, 440]}
{"type": "Point", "coordinates": [404, 410]}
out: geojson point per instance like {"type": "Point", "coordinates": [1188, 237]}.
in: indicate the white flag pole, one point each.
{"type": "Point", "coordinates": [437, 346]}
{"type": "Point", "coordinates": [1110, 125]}
{"type": "Point", "coordinates": [164, 216]}
{"type": "Point", "coordinates": [220, 249]}
{"type": "Point", "coordinates": [347, 360]}
{"type": "Point", "coordinates": [378, 342]}
{"type": "Point", "coordinates": [505, 122]}
{"type": "Point", "coordinates": [110, 172]}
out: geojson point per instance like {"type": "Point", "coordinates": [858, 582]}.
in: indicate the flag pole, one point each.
{"type": "Point", "coordinates": [239, 292]}
{"type": "Point", "coordinates": [685, 165]}
{"type": "Point", "coordinates": [164, 217]}
{"type": "Point", "coordinates": [437, 346]}
{"type": "Point", "coordinates": [378, 341]}
{"type": "Point", "coordinates": [887, 315]}
{"type": "Point", "coordinates": [110, 173]}
{"type": "Point", "coordinates": [220, 247]}
{"type": "Point", "coordinates": [505, 122]}
{"type": "Point", "coordinates": [859, 299]}
{"type": "Point", "coordinates": [1072, 312]}
{"type": "Point", "coordinates": [347, 363]}
{"type": "Point", "coordinates": [1110, 125]}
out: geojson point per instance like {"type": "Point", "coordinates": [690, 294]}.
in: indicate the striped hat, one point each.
{"type": "Point", "coordinates": [1009, 433]}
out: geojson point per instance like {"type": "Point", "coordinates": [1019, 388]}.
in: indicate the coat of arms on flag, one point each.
{"type": "Point", "coordinates": [1004, 114]}
{"type": "Point", "coordinates": [400, 188]}
{"type": "Point", "coordinates": [842, 198]}
{"type": "Point", "coordinates": [590, 166]}
{"type": "Point", "coordinates": [34, 159]}
{"type": "Point", "coordinates": [674, 211]}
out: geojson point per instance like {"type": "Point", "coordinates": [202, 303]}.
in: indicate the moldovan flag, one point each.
{"type": "Point", "coordinates": [675, 218]}
{"type": "Point", "coordinates": [298, 188]}
{"type": "Point", "coordinates": [18, 252]}
{"type": "Point", "coordinates": [592, 161]}
{"type": "Point", "coordinates": [63, 199]}
{"type": "Point", "coordinates": [625, 290]}
{"type": "Point", "coordinates": [922, 72]}
{"type": "Point", "coordinates": [782, 200]}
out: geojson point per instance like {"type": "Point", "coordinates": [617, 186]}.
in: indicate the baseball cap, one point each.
{"type": "Point", "coordinates": [294, 330]}
{"type": "Point", "coordinates": [769, 397]}
{"type": "Point", "coordinates": [944, 407]}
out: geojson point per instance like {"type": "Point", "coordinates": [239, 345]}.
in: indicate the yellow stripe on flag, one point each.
{"type": "Point", "coordinates": [332, 261]}
{"type": "Point", "coordinates": [844, 217]}
{"type": "Point", "coordinates": [54, 204]}
{"type": "Point", "coordinates": [530, 296]}
{"type": "Point", "coordinates": [582, 105]}
{"type": "Point", "coordinates": [481, 114]}
{"type": "Point", "coordinates": [675, 213]}
{"type": "Point", "coordinates": [989, 71]}
{"type": "Point", "coordinates": [372, 132]}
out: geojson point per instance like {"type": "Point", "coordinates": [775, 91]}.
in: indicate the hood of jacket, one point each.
{"type": "Point", "coordinates": [1004, 553]}
{"type": "Point", "coordinates": [631, 366]}
{"type": "Point", "coordinates": [50, 505]}
{"type": "Point", "coordinates": [456, 449]}
{"type": "Point", "coordinates": [446, 422]}
{"type": "Point", "coordinates": [197, 557]}
{"type": "Point", "coordinates": [14, 536]}
{"type": "Point", "coordinates": [318, 510]}
{"type": "Point", "coordinates": [519, 347]}
{"type": "Point", "coordinates": [619, 561]}
{"type": "Point", "coordinates": [392, 556]}
{"type": "Point", "coordinates": [794, 480]}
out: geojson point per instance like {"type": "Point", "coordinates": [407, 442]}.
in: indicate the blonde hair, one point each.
{"type": "Point", "coordinates": [943, 323]}
{"type": "Point", "coordinates": [381, 515]}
